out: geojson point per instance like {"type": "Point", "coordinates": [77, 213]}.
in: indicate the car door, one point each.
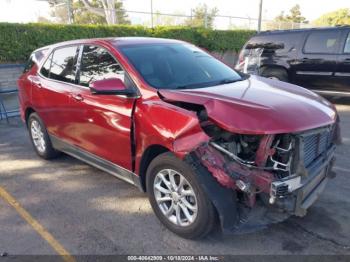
{"type": "Point", "coordinates": [102, 123]}
{"type": "Point", "coordinates": [52, 87]}
{"type": "Point", "coordinates": [342, 73]}
{"type": "Point", "coordinates": [316, 62]}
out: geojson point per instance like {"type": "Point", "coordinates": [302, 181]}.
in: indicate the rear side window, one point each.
{"type": "Point", "coordinates": [322, 42]}
{"type": "Point", "coordinates": [96, 64]}
{"type": "Point", "coordinates": [347, 44]}
{"type": "Point", "coordinates": [63, 64]}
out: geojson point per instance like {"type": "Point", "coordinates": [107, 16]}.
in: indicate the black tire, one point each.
{"type": "Point", "coordinates": [205, 219]}
{"type": "Point", "coordinates": [49, 152]}
{"type": "Point", "coordinates": [275, 73]}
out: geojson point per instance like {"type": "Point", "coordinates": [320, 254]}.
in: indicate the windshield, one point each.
{"type": "Point", "coordinates": [178, 66]}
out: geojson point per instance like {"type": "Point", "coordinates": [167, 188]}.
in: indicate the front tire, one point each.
{"type": "Point", "coordinates": [177, 198]}
{"type": "Point", "coordinates": [40, 138]}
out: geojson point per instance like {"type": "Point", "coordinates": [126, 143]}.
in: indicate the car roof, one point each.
{"type": "Point", "coordinates": [119, 41]}
{"type": "Point", "coordinates": [272, 32]}
{"type": "Point", "coordinates": [115, 41]}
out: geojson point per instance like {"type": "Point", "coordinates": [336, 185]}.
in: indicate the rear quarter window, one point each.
{"type": "Point", "coordinates": [29, 64]}
{"type": "Point", "coordinates": [34, 59]}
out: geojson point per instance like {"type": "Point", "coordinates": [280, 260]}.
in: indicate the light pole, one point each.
{"type": "Point", "coordinates": [69, 12]}
{"type": "Point", "coordinates": [152, 13]}
{"type": "Point", "coordinates": [260, 15]}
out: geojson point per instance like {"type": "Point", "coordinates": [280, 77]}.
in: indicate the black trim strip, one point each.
{"type": "Point", "coordinates": [96, 161]}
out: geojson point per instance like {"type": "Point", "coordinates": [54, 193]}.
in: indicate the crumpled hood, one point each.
{"type": "Point", "coordinates": [259, 106]}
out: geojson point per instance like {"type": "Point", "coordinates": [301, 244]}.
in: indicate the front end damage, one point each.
{"type": "Point", "coordinates": [256, 180]}
{"type": "Point", "coordinates": [258, 165]}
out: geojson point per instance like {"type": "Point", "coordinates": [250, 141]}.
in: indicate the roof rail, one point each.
{"type": "Point", "coordinates": [303, 29]}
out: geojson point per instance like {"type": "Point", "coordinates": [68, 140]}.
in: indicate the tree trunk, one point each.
{"type": "Point", "coordinates": [108, 12]}
{"type": "Point", "coordinates": [112, 11]}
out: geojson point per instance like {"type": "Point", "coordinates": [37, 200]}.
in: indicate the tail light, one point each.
{"type": "Point", "coordinates": [241, 60]}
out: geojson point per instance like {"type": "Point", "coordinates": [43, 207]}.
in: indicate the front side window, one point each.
{"type": "Point", "coordinates": [97, 64]}
{"type": "Point", "coordinates": [177, 66]}
{"type": "Point", "coordinates": [63, 65]}
{"type": "Point", "coordinates": [347, 44]}
{"type": "Point", "coordinates": [322, 42]}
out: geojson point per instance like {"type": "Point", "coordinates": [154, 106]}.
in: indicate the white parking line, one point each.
{"type": "Point", "coordinates": [341, 169]}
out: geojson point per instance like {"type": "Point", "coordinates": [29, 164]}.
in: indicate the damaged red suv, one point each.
{"type": "Point", "coordinates": [209, 145]}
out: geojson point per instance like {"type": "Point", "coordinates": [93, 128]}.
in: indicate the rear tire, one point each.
{"type": "Point", "coordinates": [40, 138]}
{"type": "Point", "coordinates": [184, 196]}
{"type": "Point", "coordinates": [275, 73]}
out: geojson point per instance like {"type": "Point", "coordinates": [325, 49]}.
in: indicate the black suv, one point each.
{"type": "Point", "coordinates": [318, 59]}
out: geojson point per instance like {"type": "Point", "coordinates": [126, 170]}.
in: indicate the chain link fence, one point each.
{"type": "Point", "coordinates": [156, 18]}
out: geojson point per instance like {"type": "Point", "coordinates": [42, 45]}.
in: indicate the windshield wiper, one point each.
{"type": "Point", "coordinates": [228, 81]}
{"type": "Point", "coordinates": [208, 84]}
{"type": "Point", "coordinates": [180, 87]}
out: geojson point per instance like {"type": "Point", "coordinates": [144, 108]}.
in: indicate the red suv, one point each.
{"type": "Point", "coordinates": [208, 144]}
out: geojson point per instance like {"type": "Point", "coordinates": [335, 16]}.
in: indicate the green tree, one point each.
{"type": "Point", "coordinates": [42, 19]}
{"type": "Point", "coordinates": [338, 17]}
{"type": "Point", "coordinates": [166, 20]}
{"type": "Point", "coordinates": [280, 18]}
{"type": "Point", "coordinates": [89, 11]}
{"type": "Point", "coordinates": [111, 10]}
{"type": "Point", "coordinates": [293, 16]}
{"type": "Point", "coordinates": [202, 17]}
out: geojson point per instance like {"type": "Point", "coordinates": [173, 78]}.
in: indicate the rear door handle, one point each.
{"type": "Point", "coordinates": [305, 59]}
{"type": "Point", "coordinates": [37, 83]}
{"type": "Point", "coordinates": [78, 97]}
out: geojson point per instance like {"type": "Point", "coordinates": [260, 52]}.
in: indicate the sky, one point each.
{"type": "Point", "coordinates": [23, 11]}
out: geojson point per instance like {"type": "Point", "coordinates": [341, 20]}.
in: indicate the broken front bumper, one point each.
{"type": "Point", "coordinates": [295, 195]}
{"type": "Point", "coordinates": [285, 197]}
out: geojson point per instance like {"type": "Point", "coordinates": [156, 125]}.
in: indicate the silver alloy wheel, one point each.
{"type": "Point", "coordinates": [175, 197]}
{"type": "Point", "coordinates": [37, 136]}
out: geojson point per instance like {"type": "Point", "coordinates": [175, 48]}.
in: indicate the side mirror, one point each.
{"type": "Point", "coordinates": [110, 86]}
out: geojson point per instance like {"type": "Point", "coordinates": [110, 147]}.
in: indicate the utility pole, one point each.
{"type": "Point", "coordinates": [191, 18]}
{"type": "Point", "coordinates": [69, 12]}
{"type": "Point", "coordinates": [205, 16]}
{"type": "Point", "coordinates": [152, 13]}
{"type": "Point", "coordinates": [260, 15]}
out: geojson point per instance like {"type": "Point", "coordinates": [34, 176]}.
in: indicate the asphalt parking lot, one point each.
{"type": "Point", "coordinates": [90, 212]}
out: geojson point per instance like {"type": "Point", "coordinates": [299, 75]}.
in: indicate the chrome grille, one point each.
{"type": "Point", "coordinates": [316, 144]}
